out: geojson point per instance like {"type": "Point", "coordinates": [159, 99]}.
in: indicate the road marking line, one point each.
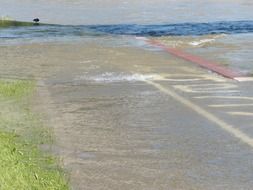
{"type": "Point", "coordinates": [214, 85]}
{"type": "Point", "coordinates": [223, 125]}
{"type": "Point", "coordinates": [181, 80]}
{"type": "Point", "coordinates": [187, 88]}
{"type": "Point", "coordinates": [214, 89]}
{"type": "Point", "coordinates": [241, 113]}
{"type": "Point", "coordinates": [225, 97]}
{"type": "Point", "coordinates": [244, 79]}
{"type": "Point", "coordinates": [213, 78]}
{"type": "Point", "coordinates": [229, 105]}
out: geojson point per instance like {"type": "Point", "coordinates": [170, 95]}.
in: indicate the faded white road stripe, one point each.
{"type": "Point", "coordinates": [225, 97]}
{"type": "Point", "coordinates": [240, 113]}
{"type": "Point", "coordinates": [229, 105]}
{"type": "Point", "coordinates": [223, 125]}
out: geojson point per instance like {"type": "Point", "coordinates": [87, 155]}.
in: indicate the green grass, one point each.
{"type": "Point", "coordinates": [22, 165]}
{"type": "Point", "coordinates": [15, 89]}
{"type": "Point", "coordinates": [11, 23]}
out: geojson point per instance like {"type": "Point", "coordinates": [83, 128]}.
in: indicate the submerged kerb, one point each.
{"type": "Point", "coordinates": [212, 66]}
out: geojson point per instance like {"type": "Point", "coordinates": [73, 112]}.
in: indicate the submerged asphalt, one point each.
{"type": "Point", "coordinates": [129, 118]}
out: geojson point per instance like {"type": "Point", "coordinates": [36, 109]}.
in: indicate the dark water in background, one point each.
{"type": "Point", "coordinates": [128, 17]}
{"type": "Point", "coordinates": [183, 29]}
{"type": "Point", "coordinates": [112, 130]}
{"type": "Point", "coordinates": [233, 38]}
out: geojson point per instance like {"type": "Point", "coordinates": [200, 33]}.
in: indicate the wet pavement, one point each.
{"type": "Point", "coordinates": [125, 121]}
{"type": "Point", "coordinates": [127, 115]}
{"type": "Point", "coordinates": [233, 51]}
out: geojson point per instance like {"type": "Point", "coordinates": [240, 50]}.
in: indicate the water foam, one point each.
{"type": "Point", "coordinates": [112, 77]}
{"type": "Point", "coordinates": [201, 42]}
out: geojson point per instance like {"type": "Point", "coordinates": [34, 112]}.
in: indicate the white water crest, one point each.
{"type": "Point", "coordinates": [205, 41]}
{"type": "Point", "coordinates": [113, 77]}
{"type": "Point", "coordinates": [200, 42]}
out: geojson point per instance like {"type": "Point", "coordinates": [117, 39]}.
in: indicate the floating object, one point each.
{"type": "Point", "coordinates": [36, 20]}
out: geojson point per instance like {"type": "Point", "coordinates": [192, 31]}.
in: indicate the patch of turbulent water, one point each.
{"type": "Point", "coordinates": [182, 29]}
{"type": "Point", "coordinates": [190, 41]}
{"type": "Point", "coordinates": [113, 77]}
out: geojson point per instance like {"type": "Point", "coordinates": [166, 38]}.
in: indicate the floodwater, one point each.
{"type": "Point", "coordinates": [80, 12]}
{"type": "Point", "coordinates": [219, 31]}
{"type": "Point", "coordinates": [114, 130]}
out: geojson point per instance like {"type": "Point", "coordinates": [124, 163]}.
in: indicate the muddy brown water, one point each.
{"type": "Point", "coordinates": [112, 129]}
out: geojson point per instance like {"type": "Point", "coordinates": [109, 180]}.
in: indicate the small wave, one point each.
{"type": "Point", "coordinates": [200, 42]}
{"type": "Point", "coordinates": [205, 41]}
{"type": "Point", "coordinates": [111, 77]}
{"type": "Point", "coordinates": [182, 29]}
{"type": "Point", "coordinates": [189, 41]}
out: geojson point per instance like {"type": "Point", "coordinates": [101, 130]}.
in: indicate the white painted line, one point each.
{"type": "Point", "coordinates": [187, 88]}
{"type": "Point", "coordinates": [181, 80]}
{"type": "Point", "coordinates": [241, 113]}
{"type": "Point", "coordinates": [244, 79]}
{"type": "Point", "coordinates": [214, 90]}
{"type": "Point", "coordinates": [214, 85]}
{"type": "Point", "coordinates": [223, 125]}
{"type": "Point", "coordinates": [225, 97]}
{"type": "Point", "coordinates": [215, 78]}
{"type": "Point", "coordinates": [209, 87]}
{"type": "Point", "coordinates": [229, 105]}
{"type": "Point", "coordinates": [201, 77]}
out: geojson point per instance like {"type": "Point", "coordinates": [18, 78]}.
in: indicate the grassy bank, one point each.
{"type": "Point", "coordinates": [22, 165]}
{"type": "Point", "coordinates": [9, 23]}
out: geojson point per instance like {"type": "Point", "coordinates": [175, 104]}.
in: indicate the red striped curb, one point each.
{"type": "Point", "coordinates": [210, 65]}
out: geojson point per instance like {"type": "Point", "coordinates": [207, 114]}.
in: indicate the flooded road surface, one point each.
{"type": "Point", "coordinates": [115, 130]}
{"type": "Point", "coordinates": [226, 43]}
{"type": "Point", "coordinates": [218, 30]}
{"type": "Point", "coordinates": [232, 51]}
{"type": "Point", "coordinates": [127, 115]}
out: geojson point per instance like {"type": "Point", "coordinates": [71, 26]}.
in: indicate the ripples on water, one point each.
{"type": "Point", "coordinates": [185, 29]}
{"type": "Point", "coordinates": [26, 30]}
{"type": "Point", "coordinates": [186, 35]}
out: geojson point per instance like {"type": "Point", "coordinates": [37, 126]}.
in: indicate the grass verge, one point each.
{"type": "Point", "coordinates": [13, 23]}
{"type": "Point", "coordinates": [22, 165]}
